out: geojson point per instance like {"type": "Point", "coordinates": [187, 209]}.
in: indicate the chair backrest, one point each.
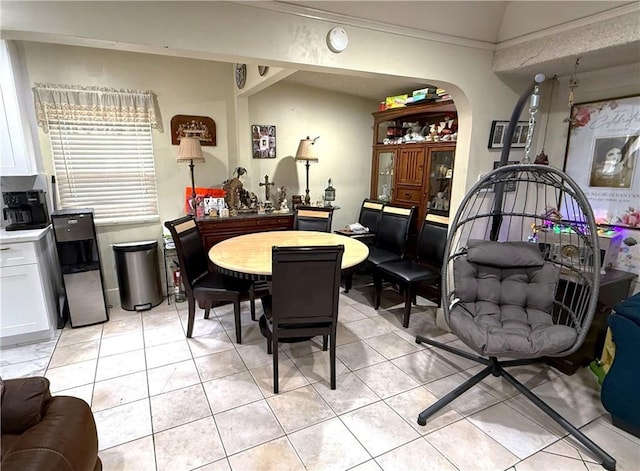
{"type": "Point", "coordinates": [505, 275]}
{"type": "Point", "coordinates": [370, 214]}
{"type": "Point", "coordinates": [432, 242]}
{"type": "Point", "coordinates": [306, 284]}
{"type": "Point", "coordinates": [393, 230]}
{"type": "Point", "coordinates": [309, 218]}
{"type": "Point", "coordinates": [192, 255]}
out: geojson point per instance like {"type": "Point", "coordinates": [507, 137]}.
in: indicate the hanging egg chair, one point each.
{"type": "Point", "coordinates": [521, 271]}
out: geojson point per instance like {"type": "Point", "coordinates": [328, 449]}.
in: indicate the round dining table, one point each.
{"type": "Point", "coordinates": [249, 256]}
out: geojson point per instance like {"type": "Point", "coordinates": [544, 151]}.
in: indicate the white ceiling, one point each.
{"type": "Point", "coordinates": [487, 23]}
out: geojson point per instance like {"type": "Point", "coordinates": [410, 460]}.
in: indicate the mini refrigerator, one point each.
{"type": "Point", "coordinates": [79, 258]}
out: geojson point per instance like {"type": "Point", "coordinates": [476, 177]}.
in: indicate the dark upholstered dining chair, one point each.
{"type": "Point", "coordinates": [310, 218]}
{"type": "Point", "coordinates": [201, 284]}
{"type": "Point", "coordinates": [391, 239]}
{"type": "Point", "coordinates": [370, 215]}
{"type": "Point", "coordinates": [305, 286]}
{"type": "Point", "coordinates": [425, 268]}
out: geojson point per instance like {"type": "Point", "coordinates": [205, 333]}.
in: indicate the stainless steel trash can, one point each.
{"type": "Point", "coordinates": [138, 273]}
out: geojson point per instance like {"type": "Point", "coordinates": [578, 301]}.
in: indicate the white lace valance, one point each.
{"type": "Point", "coordinates": [72, 102]}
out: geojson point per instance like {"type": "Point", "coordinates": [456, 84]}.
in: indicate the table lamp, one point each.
{"type": "Point", "coordinates": [307, 152]}
{"type": "Point", "coordinates": [190, 151]}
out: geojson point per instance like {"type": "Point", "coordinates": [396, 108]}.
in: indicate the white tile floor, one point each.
{"type": "Point", "coordinates": [165, 402]}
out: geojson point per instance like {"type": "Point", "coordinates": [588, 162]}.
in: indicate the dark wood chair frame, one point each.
{"type": "Point", "coordinates": [201, 283]}
{"type": "Point", "coordinates": [305, 287]}
{"type": "Point", "coordinates": [370, 215]}
{"type": "Point", "coordinates": [310, 218]}
{"type": "Point", "coordinates": [426, 268]}
{"type": "Point", "coordinates": [391, 237]}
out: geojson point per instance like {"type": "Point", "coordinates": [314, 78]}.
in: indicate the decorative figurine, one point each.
{"type": "Point", "coordinates": [440, 202]}
{"type": "Point", "coordinates": [253, 201]}
{"type": "Point", "coordinates": [385, 193]}
{"type": "Point", "coordinates": [235, 191]}
{"type": "Point", "coordinates": [267, 188]}
{"type": "Point", "coordinates": [282, 197]}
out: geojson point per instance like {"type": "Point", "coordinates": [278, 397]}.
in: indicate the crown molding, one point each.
{"type": "Point", "coordinates": [633, 8]}
{"type": "Point", "coordinates": [319, 15]}
{"type": "Point", "coordinates": [346, 20]}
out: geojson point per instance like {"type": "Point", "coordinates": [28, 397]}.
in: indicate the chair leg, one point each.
{"type": "Point", "coordinates": [608, 462]}
{"type": "Point", "coordinates": [377, 283]}
{"type": "Point", "coordinates": [348, 282]}
{"type": "Point", "coordinates": [407, 306]}
{"type": "Point", "coordinates": [332, 360]}
{"type": "Point", "coordinates": [236, 314]}
{"type": "Point", "coordinates": [325, 338]}
{"type": "Point", "coordinates": [457, 351]}
{"type": "Point", "coordinates": [464, 387]}
{"type": "Point", "coordinates": [276, 388]}
{"type": "Point", "coordinates": [252, 302]}
{"type": "Point", "coordinates": [206, 312]}
{"type": "Point", "coordinates": [191, 302]}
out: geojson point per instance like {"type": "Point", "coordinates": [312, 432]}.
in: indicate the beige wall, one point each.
{"type": "Point", "coordinates": [237, 32]}
{"type": "Point", "coordinates": [189, 86]}
{"type": "Point", "coordinates": [232, 32]}
{"type": "Point", "coordinates": [344, 124]}
{"type": "Point", "coordinates": [183, 86]}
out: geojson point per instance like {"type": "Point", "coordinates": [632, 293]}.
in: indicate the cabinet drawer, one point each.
{"type": "Point", "coordinates": [410, 195]}
{"type": "Point", "coordinates": [20, 253]}
{"type": "Point", "coordinates": [213, 231]}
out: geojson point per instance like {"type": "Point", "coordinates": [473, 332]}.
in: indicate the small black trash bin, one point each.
{"type": "Point", "coordinates": [138, 273]}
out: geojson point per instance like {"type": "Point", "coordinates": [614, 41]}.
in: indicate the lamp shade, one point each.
{"type": "Point", "coordinates": [190, 150]}
{"type": "Point", "coordinates": [306, 150]}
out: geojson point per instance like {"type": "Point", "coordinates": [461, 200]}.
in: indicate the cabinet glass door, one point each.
{"type": "Point", "coordinates": [385, 177]}
{"type": "Point", "coordinates": [440, 178]}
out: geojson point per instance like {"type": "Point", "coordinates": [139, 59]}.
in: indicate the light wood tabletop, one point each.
{"type": "Point", "coordinates": [249, 255]}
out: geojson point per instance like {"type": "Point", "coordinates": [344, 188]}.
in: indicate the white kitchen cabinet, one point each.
{"type": "Point", "coordinates": [28, 286]}
{"type": "Point", "coordinates": [23, 303]}
{"type": "Point", "coordinates": [19, 146]}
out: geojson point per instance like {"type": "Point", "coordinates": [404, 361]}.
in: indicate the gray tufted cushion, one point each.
{"type": "Point", "coordinates": [505, 308]}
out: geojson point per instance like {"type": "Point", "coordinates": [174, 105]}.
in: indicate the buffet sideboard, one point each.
{"type": "Point", "coordinates": [214, 230]}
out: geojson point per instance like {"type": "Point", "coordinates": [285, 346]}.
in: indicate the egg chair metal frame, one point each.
{"type": "Point", "coordinates": [524, 208]}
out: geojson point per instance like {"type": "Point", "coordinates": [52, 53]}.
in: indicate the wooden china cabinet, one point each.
{"type": "Point", "coordinates": [413, 173]}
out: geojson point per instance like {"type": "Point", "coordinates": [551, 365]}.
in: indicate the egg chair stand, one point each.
{"type": "Point", "coordinates": [521, 273]}
{"type": "Point", "coordinates": [497, 368]}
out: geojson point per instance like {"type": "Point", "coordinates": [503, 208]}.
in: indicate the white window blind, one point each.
{"type": "Point", "coordinates": [107, 166]}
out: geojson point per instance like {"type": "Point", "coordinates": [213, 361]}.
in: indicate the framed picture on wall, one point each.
{"type": "Point", "coordinates": [602, 157]}
{"type": "Point", "coordinates": [202, 127]}
{"type": "Point", "coordinates": [263, 141]}
{"type": "Point", "coordinates": [499, 131]}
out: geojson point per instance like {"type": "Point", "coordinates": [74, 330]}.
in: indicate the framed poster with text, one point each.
{"type": "Point", "coordinates": [603, 158]}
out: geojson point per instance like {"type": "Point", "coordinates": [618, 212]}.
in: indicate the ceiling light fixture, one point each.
{"type": "Point", "coordinates": [337, 39]}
